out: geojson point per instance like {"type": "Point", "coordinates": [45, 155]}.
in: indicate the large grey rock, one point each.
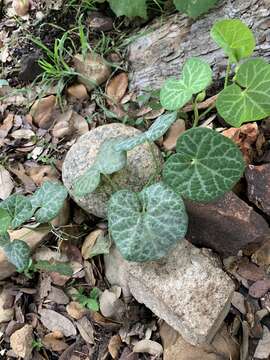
{"type": "Point", "coordinates": [226, 225]}
{"type": "Point", "coordinates": [188, 289]}
{"type": "Point", "coordinates": [140, 166]}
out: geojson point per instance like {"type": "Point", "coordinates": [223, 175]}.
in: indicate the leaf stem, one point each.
{"type": "Point", "coordinates": [196, 113]}
{"type": "Point", "coordinates": [228, 70]}
{"type": "Point", "coordinates": [207, 111]}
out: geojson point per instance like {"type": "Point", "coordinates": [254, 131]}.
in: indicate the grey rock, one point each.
{"type": "Point", "coordinates": [258, 180]}
{"type": "Point", "coordinates": [140, 166]}
{"type": "Point", "coordinates": [226, 225]}
{"type": "Point", "coordinates": [6, 314]}
{"type": "Point", "coordinates": [187, 290]}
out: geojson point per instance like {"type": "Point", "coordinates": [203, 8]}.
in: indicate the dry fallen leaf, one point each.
{"type": "Point", "coordinates": [263, 348]}
{"type": "Point", "coordinates": [57, 322]}
{"type": "Point", "coordinates": [58, 296]}
{"type": "Point", "coordinates": [21, 341]}
{"type": "Point", "coordinates": [114, 346]}
{"type": "Point", "coordinates": [76, 310]}
{"type": "Point", "coordinates": [6, 183]}
{"type": "Point", "coordinates": [6, 126]}
{"type": "Point", "coordinates": [53, 341]}
{"type": "Point", "coordinates": [70, 123]}
{"type": "Point", "coordinates": [117, 88]}
{"type": "Point", "coordinates": [262, 256]}
{"type": "Point", "coordinates": [245, 137]}
{"type": "Point", "coordinates": [173, 134]}
{"type": "Point", "coordinates": [21, 7]}
{"type": "Point", "coordinates": [90, 241]}
{"type": "Point", "coordinates": [28, 183]}
{"type": "Point", "coordinates": [25, 134]}
{"type": "Point", "coordinates": [259, 288]}
{"type": "Point", "coordinates": [42, 111]}
{"type": "Point", "coordinates": [42, 173]}
{"type": "Point", "coordinates": [149, 347]}
{"type": "Point", "coordinates": [238, 301]}
{"type": "Point", "coordinates": [250, 271]}
{"type": "Point", "coordinates": [77, 91]}
{"type": "Point", "coordinates": [86, 330]}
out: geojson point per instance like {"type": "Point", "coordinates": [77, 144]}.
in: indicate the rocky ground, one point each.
{"type": "Point", "coordinates": [47, 101]}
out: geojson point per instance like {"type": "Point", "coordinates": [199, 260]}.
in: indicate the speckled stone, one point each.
{"type": "Point", "coordinates": [188, 289]}
{"type": "Point", "coordinates": [140, 166]}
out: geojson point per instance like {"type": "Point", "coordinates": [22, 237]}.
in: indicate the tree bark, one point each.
{"type": "Point", "coordinates": [164, 46]}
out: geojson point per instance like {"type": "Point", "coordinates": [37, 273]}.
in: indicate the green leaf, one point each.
{"type": "Point", "coordinates": [87, 183]}
{"type": "Point", "coordinates": [19, 254]}
{"type": "Point", "coordinates": [5, 221]}
{"type": "Point", "coordinates": [196, 76]}
{"type": "Point", "coordinates": [129, 8]}
{"type": "Point", "coordinates": [194, 8]}
{"type": "Point", "coordinates": [48, 201]}
{"type": "Point", "coordinates": [235, 38]}
{"type": "Point", "coordinates": [206, 165]}
{"type": "Point", "coordinates": [156, 130]}
{"type": "Point", "coordinates": [109, 160]}
{"type": "Point", "coordinates": [147, 225]}
{"type": "Point", "coordinates": [59, 267]}
{"type": "Point", "coordinates": [19, 209]}
{"type": "Point", "coordinates": [4, 239]}
{"type": "Point", "coordinates": [249, 98]}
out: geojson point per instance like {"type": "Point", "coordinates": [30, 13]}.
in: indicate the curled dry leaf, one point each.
{"type": "Point", "coordinates": [6, 183]}
{"type": "Point", "coordinates": [53, 341]}
{"type": "Point", "coordinates": [90, 241]}
{"type": "Point", "coordinates": [77, 91]}
{"type": "Point", "coordinates": [117, 88]}
{"type": "Point", "coordinates": [173, 134]}
{"type": "Point", "coordinates": [149, 347]}
{"type": "Point", "coordinates": [86, 330]}
{"type": "Point", "coordinates": [42, 111]}
{"type": "Point", "coordinates": [57, 322]}
{"type": "Point", "coordinates": [245, 137]}
{"type": "Point", "coordinates": [114, 346]}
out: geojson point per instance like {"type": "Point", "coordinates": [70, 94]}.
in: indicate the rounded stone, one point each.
{"type": "Point", "coordinates": [142, 164]}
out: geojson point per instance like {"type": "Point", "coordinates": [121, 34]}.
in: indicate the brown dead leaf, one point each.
{"type": "Point", "coordinates": [77, 91]}
{"type": "Point", "coordinates": [117, 88]}
{"type": "Point", "coordinates": [250, 271]}
{"type": "Point", "coordinates": [76, 310]}
{"type": "Point", "coordinates": [173, 134]}
{"type": "Point", "coordinates": [262, 256]}
{"type": "Point", "coordinates": [39, 174]}
{"type": "Point", "coordinates": [114, 346]}
{"type": "Point", "coordinates": [263, 348]}
{"type": "Point", "coordinates": [42, 111]}
{"type": "Point", "coordinates": [23, 134]}
{"type": "Point", "coordinates": [86, 330]}
{"type": "Point", "coordinates": [259, 288]}
{"type": "Point", "coordinates": [53, 341]}
{"type": "Point", "coordinates": [58, 296]}
{"type": "Point", "coordinates": [70, 123]}
{"type": "Point", "coordinates": [6, 126]}
{"type": "Point", "coordinates": [238, 301]}
{"type": "Point", "coordinates": [149, 347]}
{"type": "Point", "coordinates": [21, 341]}
{"type": "Point", "coordinates": [90, 241]}
{"type": "Point", "coordinates": [28, 183]}
{"type": "Point", "coordinates": [6, 183]}
{"type": "Point", "coordinates": [57, 322]}
{"type": "Point", "coordinates": [245, 137]}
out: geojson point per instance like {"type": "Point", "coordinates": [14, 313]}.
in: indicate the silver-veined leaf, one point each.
{"type": "Point", "coordinates": [196, 76]}
{"type": "Point", "coordinates": [18, 253]}
{"type": "Point", "coordinates": [48, 201]}
{"type": "Point", "coordinates": [145, 226]}
{"type": "Point", "coordinates": [19, 209]}
{"type": "Point", "coordinates": [206, 165]}
{"type": "Point", "coordinates": [249, 98]}
{"type": "Point", "coordinates": [235, 38]}
{"type": "Point", "coordinates": [5, 221]}
{"type": "Point", "coordinates": [129, 8]}
{"type": "Point", "coordinates": [109, 160]}
{"type": "Point", "coordinates": [87, 183]}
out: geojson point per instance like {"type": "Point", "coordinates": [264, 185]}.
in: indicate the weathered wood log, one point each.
{"type": "Point", "coordinates": [163, 48]}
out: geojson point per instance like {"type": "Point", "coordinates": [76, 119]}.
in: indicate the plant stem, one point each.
{"type": "Point", "coordinates": [112, 183]}
{"type": "Point", "coordinates": [196, 113]}
{"type": "Point", "coordinates": [228, 70]}
{"type": "Point", "coordinates": [207, 111]}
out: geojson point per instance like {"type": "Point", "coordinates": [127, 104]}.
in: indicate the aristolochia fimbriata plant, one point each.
{"type": "Point", "coordinates": [43, 206]}
{"type": "Point", "coordinates": [147, 225]}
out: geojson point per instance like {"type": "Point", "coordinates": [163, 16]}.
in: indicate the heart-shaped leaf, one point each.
{"type": "Point", "coordinates": [147, 225]}
{"type": "Point", "coordinates": [87, 183]}
{"type": "Point", "coordinates": [4, 239]}
{"type": "Point", "coordinates": [249, 98]}
{"type": "Point", "coordinates": [18, 253]}
{"type": "Point", "coordinates": [196, 76]}
{"type": "Point", "coordinates": [19, 209]}
{"type": "Point", "coordinates": [5, 221]}
{"type": "Point", "coordinates": [48, 201]}
{"type": "Point", "coordinates": [235, 38]}
{"type": "Point", "coordinates": [109, 160]}
{"type": "Point", "coordinates": [206, 165]}
{"type": "Point", "coordinates": [129, 8]}
{"type": "Point", "coordinates": [194, 8]}
{"type": "Point", "coordinates": [156, 130]}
